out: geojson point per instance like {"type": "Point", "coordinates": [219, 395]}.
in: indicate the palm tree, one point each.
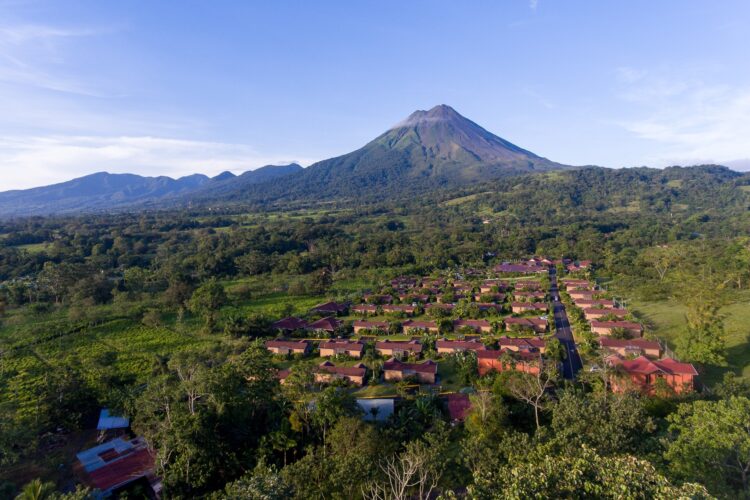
{"type": "Point", "coordinates": [36, 490]}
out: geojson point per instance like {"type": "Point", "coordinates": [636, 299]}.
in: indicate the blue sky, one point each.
{"type": "Point", "coordinates": [174, 88]}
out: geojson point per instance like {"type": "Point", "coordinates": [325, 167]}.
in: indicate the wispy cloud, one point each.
{"type": "Point", "coordinates": [692, 121]}
{"type": "Point", "coordinates": [33, 55]}
{"type": "Point", "coordinates": [533, 4]}
{"type": "Point", "coordinates": [33, 161]}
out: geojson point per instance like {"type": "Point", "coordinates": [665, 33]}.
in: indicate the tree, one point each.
{"type": "Point", "coordinates": [578, 473]}
{"type": "Point", "coordinates": [263, 483]}
{"type": "Point", "coordinates": [533, 389]}
{"type": "Point", "coordinates": [711, 442]}
{"type": "Point", "coordinates": [414, 473]}
{"type": "Point", "coordinates": [555, 351]}
{"type": "Point", "coordinates": [610, 423]}
{"type": "Point", "coordinates": [704, 341]}
{"type": "Point", "coordinates": [206, 300]}
{"type": "Point", "coordinates": [37, 490]}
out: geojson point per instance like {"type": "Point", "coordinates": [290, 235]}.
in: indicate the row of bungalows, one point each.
{"type": "Point", "coordinates": [417, 326]}
{"type": "Point", "coordinates": [581, 265]}
{"type": "Point", "coordinates": [593, 313]}
{"type": "Point", "coordinates": [395, 370]}
{"type": "Point", "coordinates": [527, 285]}
{"type": "Point", "coordinates": [372, 309]}
{"type": "Point", "coordinates": [609, 327]}
{"type": "Point", "coordinates": [488, 286]}
{"type": "Point", "coordinates": [337, 347]}
{"type": "Point", "coordinates": [524, 307]}
{"type": "Point", "coordinates": [585, 294]}
{"type": "Point", "coordinates": [332, 308]}
{"type": "Point", "coordinates": [329, 324]}
{"type": "Point", "coordinates": [494, 297]}
{"type": "Point", "coordinates": [327, 372]}
{"type": "Point", "coordinates": [629, 348]}
{"type": "Point", "coordinates": [444, 307]}
{"type": "Point", "coordinates": [281, 347]}
{"type": "Point", "coordinates": [414, 298]}
{"type": "Point", "coordinates": [505, 359]}
{"type": "Point", "coordinates": [529, 296]}
{"type": "Point", "coordinates": [515, 344]}
{"type": "Point", "coordinates": [361, 326]}
{"type": "Point", "coordinates": [445, 346]}
{"type": "Point", "coordinates": [478, 325]}
{"type": "Point", "coordinates": [644, 374]}
{"type": "Point", "coordinates": [595, 303]}
{"type": "Point", "coordinates": [398, 348]}
{"type": "Point", "coordinates": [577, 284]}
{"type": "Point", "coordinates": [538, 325]}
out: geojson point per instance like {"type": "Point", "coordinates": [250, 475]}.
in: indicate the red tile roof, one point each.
{"type": "Point", "coordinates": [472, 345]}
{"type": "Point", "coordinates": [357, 370]}
{"type": "Point", "coordinates": [458, 406]}
{"type": "Point", "coordinates": [289, 344]}
{"type": "Point", "coordinates": [644, 365]}
{"type": "Point", "coordinates": [531, 305]}
{"type": "Point", "coordinates": [350, 345]}
{"type": "Point", "coordinates": [411, 345]}
{"type": "Point", "coordinates": [628, 325]}
{"type": "Point", "coordinates": [616, 312]}
{"type": "Point", "coordinates": [377, 325]}
{"type": "Point", "coordinates": [477, 323]}
{"type": "Point", "coordinates": [329, 324]}
{"type": "Point", "coordinates": [290, 323]}
{"type": "Point", "coordinates": [331, 307]}
{"type": "Point", "coordinates": [525, 321]}
{"type": "Point", "coordinates": [419, 324]}
{"type": "Point", "coordinates": [396, 365]}
{"type": "Point", "coordinates": [522, 343]}
{"type": "Point", "coordinates": [627, 343]}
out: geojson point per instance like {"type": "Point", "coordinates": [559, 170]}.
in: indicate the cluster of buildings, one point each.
{"type": "Point", "coordinates": [636, 363]}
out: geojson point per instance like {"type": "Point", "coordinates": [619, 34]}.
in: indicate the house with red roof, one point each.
{"type": "Point", "coordinates": [592, 313]}
{"type": "Point", "coordinates": [458, 406]}
{"type": "Point", "coordinates": [451, 346]}
{"type": "Point", "coordinates": [398, 348]}
{"type": "Point", "coordinates": [529, 296]}
{"type": "Point", "coordinates": [478, 325]}
{"type": "Point", "coordinates": [584, 294]}
{"type": "Point", "coordinates": [326, 372]}
{"type": "Point", "coordinates": [504, 360]}
{"type": "Point", "coordinates": [284, 347]}
{"type": "Point", "coordinates": [371, 298]}
{"type": "Point", "coordinates": [425, 373]}
{"type": "Point", "coordinates": [524, 307]}
{"type": "Point", "coordinates": [365, 309]}
{"type": "Point", "coordinates": [522, 344]}
{"type": "Point", "coordinates": [352, 348]}
{"type": "Point", "coordinates": [606, 327]}
{"type": "Point", "coordinates": [398, 309]}
{"type": "Point", "coordinates": [574, 284]}
{"type": "Point", "coordinates": [290, 324]}
{"type": "Point", "coordinates": [414, 325]}
{"type": "Point", "coordinates": [334, 308]}
{"type": "Point", "coordinates": [631, 347]}
{"type": "Point", "coordinates": [643, 374]}
{"type": "Point", "coordinates": [495, 297]}
{"type": "Point", "coordinates": [594, 303]}
{"type": "Point", "coordinates": [116, 464]}
{"type": "Point", "coordinates": [327, 325]}
{"type": "Point", "coordinates": [527, 285]}
{"type": "Point", "coordinates": [371, 326]}
{"type": "Point", "coordinates": [538, 325]}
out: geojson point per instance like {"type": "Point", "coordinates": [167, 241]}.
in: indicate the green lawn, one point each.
{"type": "Point", "coordinates": [667, 321]}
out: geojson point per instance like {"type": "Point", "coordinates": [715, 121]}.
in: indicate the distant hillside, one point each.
{"type": "Point", "coordinates": [104, 191]}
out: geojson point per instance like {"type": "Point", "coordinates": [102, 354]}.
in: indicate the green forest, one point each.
{"type": "Point", "coordinates": [162, 316]}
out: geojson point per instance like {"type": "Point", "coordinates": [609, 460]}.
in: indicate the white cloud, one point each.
{"type": "Point", "coordinates": [33, 161]}
{"type": "Point", "coordinates": [689, 120]}
{"type": "Point", "coordinates": [533, 4]}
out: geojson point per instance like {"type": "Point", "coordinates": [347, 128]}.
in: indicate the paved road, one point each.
{"type": "Point", "coordinates": [562, 329]}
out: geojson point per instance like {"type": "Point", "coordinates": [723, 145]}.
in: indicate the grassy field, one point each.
{"type": "Point", "coordinates": [667, 321]}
